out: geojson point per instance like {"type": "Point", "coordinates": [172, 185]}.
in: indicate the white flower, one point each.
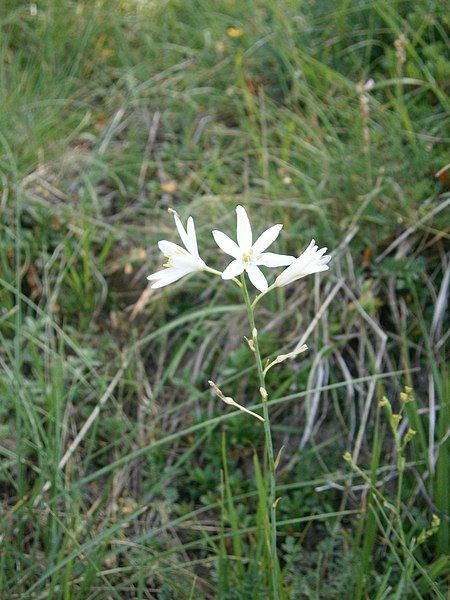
{"type": "Point", "coordinates": [180, 261]}
{"type": "Point", "coordinates": [249, 256]}
{"type": "Point", "coordinates": [312, 260]}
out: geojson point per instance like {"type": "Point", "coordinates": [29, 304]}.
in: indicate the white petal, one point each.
{"type": "Point", "coordinates": [226, 244]}
{"type": "Point", "coordinates": [309, 262]}
{"type": "Point", "coordinates": [321, 268]}
{"type": "Point", "coordinates": [166, 277]}
{"type": "Point", "coordinates": [287, 276]}
{"type": "Point", "coordinates": [269, 259]}
{"type": "Point", "coordinates": [257, 278]}
{"type": "Point", "coordinates": [267, 238]}
{"type": "Point", "coordinates": [185, 238]}
{"type": "Point", "coordinates": [234, 269]}
{"type": "Point", "coordinates": [156, 275]}
{"type": "Point", "coordinates": [181, 231]}
{"type": "Point", "coordinates": [244, 230]}
{"type": "Point", "coordinates": [192, 237]}
{"type": "Point", "coordinates": [187, 262]}
{"type": "Point", "coordinates": [167, 247]}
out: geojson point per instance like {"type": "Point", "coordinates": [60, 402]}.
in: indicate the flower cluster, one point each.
{"type": "Point", "coordinates": [247, 255]}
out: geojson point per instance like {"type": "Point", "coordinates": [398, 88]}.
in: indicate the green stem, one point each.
{"type": "Point", "coordinates": [269, 445]}
{"type": "Point", "coordinates": [398, 500]}
{"type": "Point", "coordinates": [215, 272]}
{"type": "Point", "coordinates": [261, 295]}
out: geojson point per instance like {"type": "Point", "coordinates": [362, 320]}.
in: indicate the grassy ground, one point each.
{"type": "Point", "coordinates": [113, 111]}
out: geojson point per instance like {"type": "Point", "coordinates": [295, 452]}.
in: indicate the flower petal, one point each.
{"type": "Point", "coordinates": [321, 252]}
{"type": "Point", "coordinates": [267, 238]}
{"type": "Point", "coordinates": [187, 261]}
{"type": "Point", "coordinates": [167, 276]}
{"type": "Point", "coordinates": [309, 262]}
{"type": "Point", "coordinates": [167, 247]}
{"type": "Point", "coordinates": [257, 278]}
{"type": "Point", "coordinates": [157, 275]}
{"type": "Point", "coordinates": [234, 269]}
{"type": "Point", "coordinates": [185, 238]}
{"type": "Point", "coordinates": [244, 230]}
{"type": "Point", "coordinates": [226, 244]}
{"type": "Point", "coordinates": [192, 237]}
{"type": "Point", "coordinates": [270, 259]}
{"type": "Point", "coordinates": [181, 231]}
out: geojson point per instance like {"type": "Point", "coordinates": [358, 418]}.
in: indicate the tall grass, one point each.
{"type": "Point", "coordinates": [110, 113]}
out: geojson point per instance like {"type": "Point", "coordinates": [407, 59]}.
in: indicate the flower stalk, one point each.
{"type": "Point", "coordinates": [248, 256]}
{"type": "Point", "coordinates": [268, 442]}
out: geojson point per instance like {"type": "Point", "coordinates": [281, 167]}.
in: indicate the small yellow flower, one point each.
{"type": "Point", "coordinates": [395, 420]}
{"type": "Point", "coordinates": [407, 395]}
{"type": "Point", "coordinates": [409, 435]}
{"type": "Point", "coordinates": [235, 32]}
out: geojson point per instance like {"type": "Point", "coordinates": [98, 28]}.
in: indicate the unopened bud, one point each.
{"type": "Point", "coordinates": [282, 357]}
{"type": "Point", "coordinates": [250, 343]}
{"type": "Point", "coordinates": [274, 505]}
{"type": "Point", "coordinates": [278, 458]}
{"type": "Point", "coordinates": [232, 402]}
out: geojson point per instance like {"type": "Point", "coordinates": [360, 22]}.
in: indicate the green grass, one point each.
{"type": "Point", "coordinates": [111, 112]}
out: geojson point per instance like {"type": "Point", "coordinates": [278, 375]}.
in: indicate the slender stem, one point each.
{"type": "Point", "coordinates": [269, 445]}
{"type": "Point", "coordinates": [398, 499]}
{"type": "Point", "coordinates": [261, 295]}
{"type": "Point", "coordinates": [215, 272]}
